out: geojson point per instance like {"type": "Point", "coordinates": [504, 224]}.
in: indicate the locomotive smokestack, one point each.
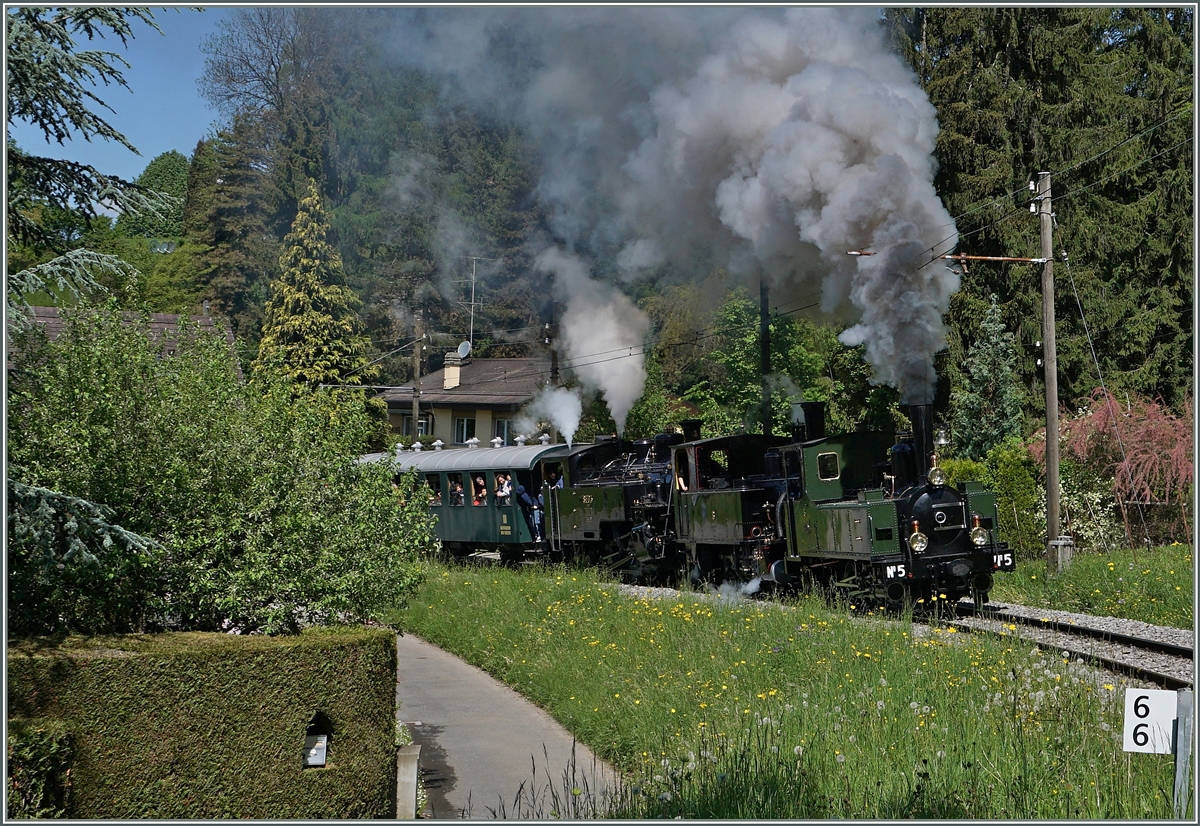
{"type": "Point", "coordinates": [922, 425]}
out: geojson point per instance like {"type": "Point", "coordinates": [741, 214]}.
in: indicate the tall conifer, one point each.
{"type": "Point", "coordinates": [312, 330]}
{"type": "Point", "coordinates": [986, 409]}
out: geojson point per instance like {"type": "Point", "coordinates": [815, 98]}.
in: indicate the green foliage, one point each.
{"type": "Point", "coordinates": [986, 409]}
{"type": "Point", "coordinates": [48, 83]}
{"type": "Point", "coordinates": [654, 412]}
{"type": "Point", "coordinates": [1020, 498]}
{"type": "Point", "coordinates": [312, 334]}
{"type": "Point", "coordinates": [70, 567]}
{"type": "Point", "coordinates": [168, 173]}
{"type": "Point", "coordinates": [240, 252]}
{"type": "Point", "coordinates": [268, 520]}
{"type": "Point", "coordinates": [38, 757]}
{"type": "Point", "coordinates": [212, 726]}
{"type": "Point", "coordinates": [962, 470]}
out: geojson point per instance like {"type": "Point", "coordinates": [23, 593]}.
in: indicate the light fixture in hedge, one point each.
{"type": "Point", "coordinates": [316, 741]}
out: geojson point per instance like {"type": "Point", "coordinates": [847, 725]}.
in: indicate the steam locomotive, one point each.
{"type": "Point", "coordinates": [867, 516]}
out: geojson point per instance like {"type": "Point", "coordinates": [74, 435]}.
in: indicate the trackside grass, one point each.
{"type": "Point", "coordinates": [1154, 586]}
{"type": "Point", "coordinates": [756, 710]}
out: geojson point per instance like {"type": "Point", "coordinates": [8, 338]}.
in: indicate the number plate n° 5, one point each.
{"type": "Point", "coordinates": [1149, 720]}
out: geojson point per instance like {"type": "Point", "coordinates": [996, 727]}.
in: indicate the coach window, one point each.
{"type": "Point", "coordinates": [435, 488]}
{"type": "Point", "coordinates": [456, 489]}
{"type": "Point", "coordinates": [828, 467]}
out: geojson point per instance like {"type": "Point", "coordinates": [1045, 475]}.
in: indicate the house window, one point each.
{"type": "Point", "coordinates": [423, 428]}
{"type": "Point", "coordinates": [463, 429]}
{"type": "Point", "coordinates": [505, 430]}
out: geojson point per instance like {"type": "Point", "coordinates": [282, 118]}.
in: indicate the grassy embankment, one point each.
{"type": "Point", "coordinates": [753, 711]}
{"type": "Point", "coordinates": [1154, 586]}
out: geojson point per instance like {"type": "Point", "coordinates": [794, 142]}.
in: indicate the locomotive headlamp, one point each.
{"type": "Point", "coordinates": [978, 535]}
{"type": "Point", "coordinates": [937, 476]}
{"type": "Point", "coordinates": [918, 541]}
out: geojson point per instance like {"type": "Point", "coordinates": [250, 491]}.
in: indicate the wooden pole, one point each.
{"type": "Point", "coordinates": [764, 346]}
{"type": "Point", "coordinates": [419, 336]}
{"type": "Point", "coordinates": [1058, 555]}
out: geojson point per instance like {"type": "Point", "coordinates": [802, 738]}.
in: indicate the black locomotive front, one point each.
{"type": "Point", "coordinates": [950, 534]}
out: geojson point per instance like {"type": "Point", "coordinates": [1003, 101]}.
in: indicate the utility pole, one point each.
{"type": "Point", "coordinates": [1058, 554]}
{"type": "Point", "coordinates": [548, 340]}
{"type": "Point", "coordinates": [418, 346]}
{"type": "Point", "coordinates": [764, 347]}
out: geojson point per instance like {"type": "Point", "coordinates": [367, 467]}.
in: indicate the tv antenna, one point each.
{"type": "Point", "coordinates": [475, 259]}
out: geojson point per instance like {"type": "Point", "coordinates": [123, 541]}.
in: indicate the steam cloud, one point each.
{"type": "Point", "coordinates": [560, 406]}
{"type": "Point", "coordinates": [603, 333]}
{"type": "Point", "coordinates": [767, 142]}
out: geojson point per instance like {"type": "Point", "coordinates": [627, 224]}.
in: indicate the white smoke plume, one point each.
{"type": "Point", "coordinates": [603, 333]}
{"type": "Point", "coordinates": [560, 406]}
{"type": "Point", "coordinates": [768, 142]}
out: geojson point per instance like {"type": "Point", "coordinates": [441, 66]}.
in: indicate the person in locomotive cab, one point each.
{"type": "Point", "coordinates": [532, 512]}
{"type": "Point", "coordinates": [553, 479]}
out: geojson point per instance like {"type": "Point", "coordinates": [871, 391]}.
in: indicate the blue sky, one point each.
{"type": "Point", "coordinates": [160, 111]}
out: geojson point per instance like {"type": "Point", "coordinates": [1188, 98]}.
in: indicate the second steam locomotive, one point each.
{"type": "Point", "coordinates": [868, 516]}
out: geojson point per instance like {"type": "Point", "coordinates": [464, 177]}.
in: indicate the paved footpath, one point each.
{"type": "Point", "coordinates": [486, 751]}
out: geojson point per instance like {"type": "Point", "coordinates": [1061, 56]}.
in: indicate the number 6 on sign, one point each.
{"type": "Point", "coordinates": [1150, 720]}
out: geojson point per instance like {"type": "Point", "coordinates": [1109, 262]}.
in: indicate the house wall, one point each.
{"type": "Point", "coordinates": [443, 424]}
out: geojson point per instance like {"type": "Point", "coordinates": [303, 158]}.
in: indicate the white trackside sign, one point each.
{"type": "Point", "coordinates": [1150, 720]}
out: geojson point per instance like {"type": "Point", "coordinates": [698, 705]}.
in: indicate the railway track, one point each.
{"type": "Point", "coordinates": [1155, 654]}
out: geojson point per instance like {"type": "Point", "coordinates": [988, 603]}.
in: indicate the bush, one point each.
{"type": "Point", "coordinates": [210, 726]}
{"type": "Point", "coordinates": [1020, 498]}
{"type": "Point", "coordinates": [266, 518]}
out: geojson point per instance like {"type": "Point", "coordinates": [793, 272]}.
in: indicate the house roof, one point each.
{"type": "Point", "coordinates": [163, 327]}
{"type": "Point", "coordinates": [501, 384]}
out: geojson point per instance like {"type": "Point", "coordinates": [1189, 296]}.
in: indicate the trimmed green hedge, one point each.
{"type": "Point", "coordinates": [196, 725]}
{"type": "Point", "coordinates": [39, 763]}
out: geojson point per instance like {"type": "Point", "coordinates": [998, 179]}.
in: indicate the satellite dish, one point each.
{"type": "Point", "coordinates": [464, 349]}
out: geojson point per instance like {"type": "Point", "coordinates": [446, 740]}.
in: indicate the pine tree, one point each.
{"type": "Point", "coordinates": [987, 409]}
{"type": "Point", "coordinates": [312, 331]}
{"type": "Point", "coordinates": [242, 252]}
{"type": "Point", "coordinates": [201, 182]}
